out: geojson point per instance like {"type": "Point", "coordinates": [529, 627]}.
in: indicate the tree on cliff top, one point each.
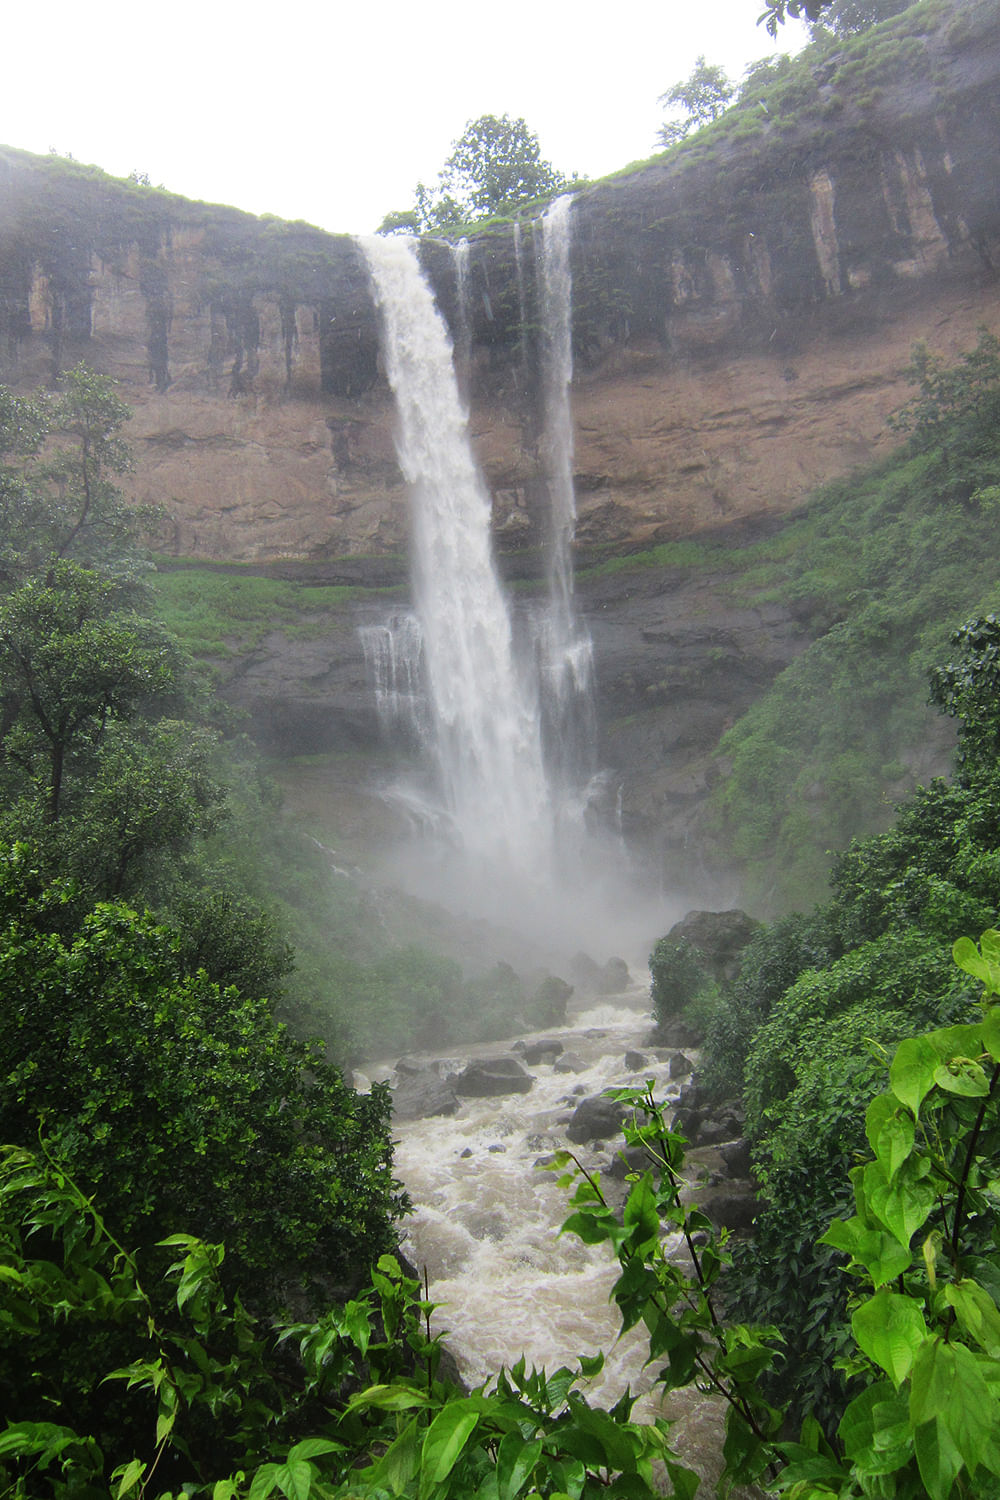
{"type": "Point", "coordinates": [703, 97]}
{"type": "Point", "coordinates": [495, 165]}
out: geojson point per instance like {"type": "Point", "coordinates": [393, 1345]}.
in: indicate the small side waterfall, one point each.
{"type": "Point", "coordinates": [485, 735]}
{"type": "Point", "coordinates": [463, 333]}
{"type": "Point", "coordinates": [565, 649]}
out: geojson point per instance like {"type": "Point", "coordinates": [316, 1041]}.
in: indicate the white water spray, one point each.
{"type": "Point", "coordinates": [485, 735]}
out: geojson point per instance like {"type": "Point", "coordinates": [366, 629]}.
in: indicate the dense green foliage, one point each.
{"type": "Point", "coordinates": [822, 998]}
{"type": "Point", "coordinates": [180, 1101]}
{"type": "Point", "coordinates": [138, 962]}
{"type": "Point", "coordinates": [681, 984]}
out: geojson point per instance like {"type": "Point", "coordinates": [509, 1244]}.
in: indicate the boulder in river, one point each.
{"type": "Point", "coordinates": [614, 978]}
{"type": "Point", "coordinates": [570, 1062]}
{"type": "Point", "coordinates": [417, 1096]}
{"type": "Point", "coordinates": [546, 1050]}
{"type": "Point", "coordinates": [489, 1077]}
{"type": "Point", "coordinates": [596, 1118]}
{"type": "Point", "coordinates": [548, 1003]}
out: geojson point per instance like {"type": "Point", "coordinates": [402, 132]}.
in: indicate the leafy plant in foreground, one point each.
{"type": "Point", "coordinates": [923, 1246]}
{"type": "Point", "coordinates": [363, 1413]}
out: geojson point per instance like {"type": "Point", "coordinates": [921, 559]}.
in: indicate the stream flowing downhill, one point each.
{"type": "Point", "coordinates": [486, 1220]}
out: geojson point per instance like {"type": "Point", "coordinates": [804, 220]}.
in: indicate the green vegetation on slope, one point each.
{"type": "Point", "coordinates": [822, 999]}
{"type": "Point", "coordinates": [217, 612]}
{"type": "Point", "coordinates": [881, 568]}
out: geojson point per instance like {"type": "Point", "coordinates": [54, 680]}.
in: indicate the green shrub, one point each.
{"type": "Point", "coordinates": [182, 1102]}
{"type": "Point", "coordinates": [678, 973]}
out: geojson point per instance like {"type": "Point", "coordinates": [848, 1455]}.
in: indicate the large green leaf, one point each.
{"type": "Point", "coordinates": [516, 1459]}
{"type": "Point", "coordinates": [875, 1431]}
{"type": "Point", "coordinates": [911, 1074]}
{"type": "Point", "coordinates": [903, 1203]}
{"type": "Point", "coordinates": [881, 1253]}
{"type": "Point", "coordinates": [640, 1216]}
{"type": "Point", "coordinates": [399, 1462]}
{"type": "Point", "coordinates": [983, 965]}
{"type": "Point", "coordinates": [938, 1460]}
{"type": "Point", "coordinates": [977, 1313]}
{"type": "Point", "coordinates": [443, 1443]}
{"type": "Point", "coordinates": [388, 1398]}
{"type": "Point", "coordinates": [890, 1328]}
{"type": "Point", "coordinates": [891, 1132]}
{"type": "Point", "coordinates": [948, 1386]}
{"type": "Point", "coordinates": [294, 1479]}
{"type": "Point", "coordinates": [962, 1075]}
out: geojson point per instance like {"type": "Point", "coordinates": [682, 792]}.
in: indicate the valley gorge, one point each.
{"type": "Point", "coordinates": [744, 310]}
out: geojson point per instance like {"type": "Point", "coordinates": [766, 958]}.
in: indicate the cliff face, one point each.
{"type": "Point", "coordinates": [743, 310]}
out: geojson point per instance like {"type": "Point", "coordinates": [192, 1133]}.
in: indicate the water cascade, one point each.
{"type": "Point", "coordinates": [484, 732]}
{"type": "Point", "coordinates": [565, 649]}
{"type": "Point", "coordinates": [500, 700]}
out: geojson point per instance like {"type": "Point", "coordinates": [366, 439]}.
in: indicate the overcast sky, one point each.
{"type": "Point", "coordinates": [333, 112]}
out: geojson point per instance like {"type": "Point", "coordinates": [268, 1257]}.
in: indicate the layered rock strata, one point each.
{"type": "Point", "coordinates": [744, 310]}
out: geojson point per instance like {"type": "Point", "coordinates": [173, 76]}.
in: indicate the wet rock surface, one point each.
{"type": "Point", "coordinates": [596, 1118]}
{"type": "Point", "coordinates": [491, 1077]}
{"type": "Point", "coordinates": [421, 1094]}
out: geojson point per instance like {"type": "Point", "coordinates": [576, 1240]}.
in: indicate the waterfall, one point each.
{"type": "Point", "coordinates": [463, 332]}
{"type": "Point", "coordinates": [394, 658]}
{"type": "Point", "coordinates": [565, 649]}
{"type": "Point", "coordinates": [484, 734]}
{"type": "Point", "coordinates": [522, 312]}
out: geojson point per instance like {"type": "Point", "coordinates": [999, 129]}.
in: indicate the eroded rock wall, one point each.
{"type": "Point", "coordinates": [744, 309]}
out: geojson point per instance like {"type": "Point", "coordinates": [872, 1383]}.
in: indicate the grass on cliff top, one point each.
{"type": "Point", "coordinates": [784, 96]}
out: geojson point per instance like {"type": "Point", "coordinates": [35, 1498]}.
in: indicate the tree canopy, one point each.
{"type": "Point", "coordinates": [494, 166]}
{"type": "Point", "coordinates": [703, 97]}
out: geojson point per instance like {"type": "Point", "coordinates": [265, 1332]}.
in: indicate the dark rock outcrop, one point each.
{"type": "Point", "coordinates": [419, 1095]}
{"type": "Point", "coordinates": [491, 1077]}
{"type": "Point", "coordinates": [596, 1119]}
{"type": "Point", "coordinates": [719, 937]}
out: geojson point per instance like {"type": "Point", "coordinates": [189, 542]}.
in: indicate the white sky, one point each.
{"type": "Point", "coordinates": [333, 112]}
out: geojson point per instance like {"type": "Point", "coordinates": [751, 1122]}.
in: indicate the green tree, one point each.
{"type": "Point", "coordinates": [703, 96]}
{"type": "Point", "coordinates": [71, 664]}
{"type": "Point", "coordinates": [60, 458]}
{"type": "Point", "coordinates": [776, 12]}
{"type": "Point", "coordinates": [494, 166]}
{"type": "Point", "coordinates": [968, 689]}
{"type": "Point", "coordinates": [955, 418]}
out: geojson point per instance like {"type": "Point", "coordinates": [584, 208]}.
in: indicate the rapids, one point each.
{"type": "Point", "coordinates": [486, 1221]}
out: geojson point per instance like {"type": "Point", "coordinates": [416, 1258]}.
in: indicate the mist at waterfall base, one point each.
{"type": "Point", "coordinates": [509, 818]}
